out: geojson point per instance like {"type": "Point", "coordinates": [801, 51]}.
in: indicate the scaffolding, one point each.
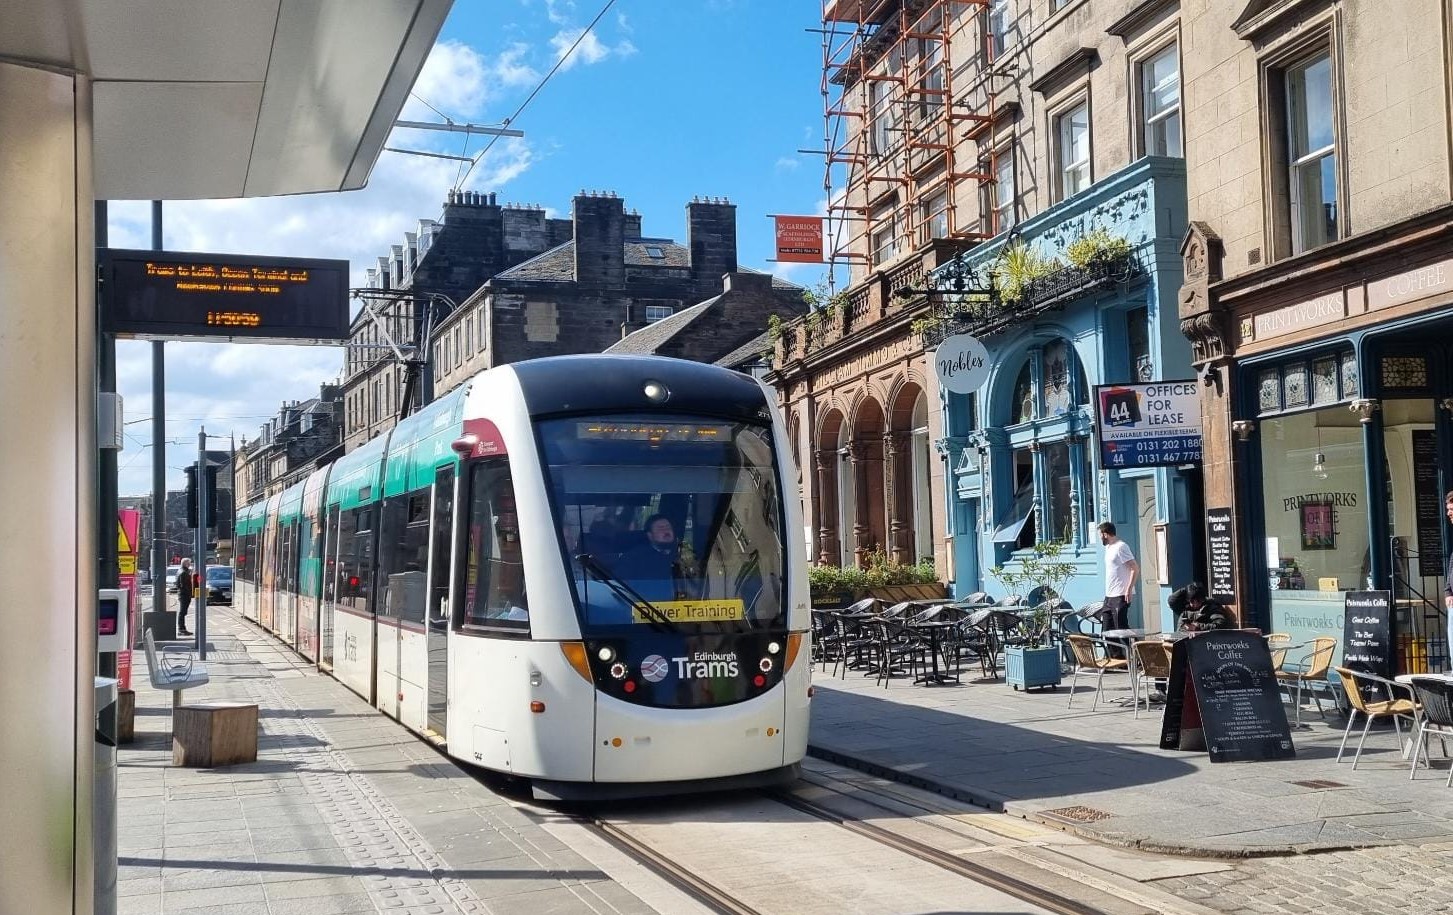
{"type": "Point", "coordinates": [894, 122]}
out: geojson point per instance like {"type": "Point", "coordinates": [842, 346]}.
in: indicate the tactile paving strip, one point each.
{"type": "Point", "coordinates": [403, 872]}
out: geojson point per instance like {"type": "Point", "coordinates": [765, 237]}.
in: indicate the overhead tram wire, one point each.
{"type": "Point", "coordinates": [459, 182]}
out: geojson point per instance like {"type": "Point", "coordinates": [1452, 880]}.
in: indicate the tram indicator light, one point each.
{"type": "Point", "coordinates": [169, 295]}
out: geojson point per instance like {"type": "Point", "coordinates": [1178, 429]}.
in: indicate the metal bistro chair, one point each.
{"type": "Point", "coordinates": [1434, 695]}
{"type": "Point", "coordinates": [854, 644]}
{"type": "Point", "coordinates": [1392, 707]}
{"type": "Point", "coordinates": [1152, 662]}
{"type": "Point", "coordinates": [1088, 660]}
{"type": "Point", "coordinates": [1310, 674]}
{"type": "Point", "coordinates": [894, 643]}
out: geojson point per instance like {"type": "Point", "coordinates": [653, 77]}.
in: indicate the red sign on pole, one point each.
{"type": "Point", "coordinates": [799, 239]}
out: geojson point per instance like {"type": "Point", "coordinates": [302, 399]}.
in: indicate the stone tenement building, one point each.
{"type": "Point", "coordinates": [302, 436]}
{"type": "Point", "coordinates": [1319, 298]}
{"type": "Point", "coordinates": [608, 281]}
{"type": "Point", "coordinates": [451, 257]}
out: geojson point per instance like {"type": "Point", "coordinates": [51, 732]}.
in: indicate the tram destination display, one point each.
{"type": "Point", "coordinates": [169, 295]}
{"type": "Point", "coordinates": [1222, 697]}
{"type": "Point", "coordinates": [1148, 425]}
{"type": "Point", "coordinates": [1367, 638]}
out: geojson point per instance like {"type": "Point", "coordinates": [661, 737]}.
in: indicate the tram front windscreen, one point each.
{"type": "Point", "coordinates": [671, 523]}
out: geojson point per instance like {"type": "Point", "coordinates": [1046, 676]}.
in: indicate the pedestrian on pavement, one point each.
{"type": "Point", "coordinates": [186, 588]}
{"type": "Point", "coordinates": [1197, 613]}
{"type": "Point", "coordinates": [1448, 572]}
{"type": "Point", "coordinates": [1121, 570]}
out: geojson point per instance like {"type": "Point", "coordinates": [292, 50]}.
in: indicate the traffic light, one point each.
{"type": "Point", "coordinates": [191, 473]}
{"type": "Point", "coordinates": [211, 484]}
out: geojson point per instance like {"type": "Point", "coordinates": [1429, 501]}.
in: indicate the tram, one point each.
{"type": "Point", "coordinates": [586, 571]}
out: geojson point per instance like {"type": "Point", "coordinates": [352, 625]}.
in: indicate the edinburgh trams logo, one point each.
{"type": "Point", "coordinates": [654, 668]}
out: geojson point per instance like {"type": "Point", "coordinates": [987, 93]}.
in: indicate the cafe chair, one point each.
{"type": "Point", "coordinates": [1278, 642]}
{"type": "Point", "coordinates": [1310, 674]}
{"type": "Point", "coordinates": [1392, 707]}
{"type": "Point", "coordinates": [1091, 656]}
{"type": "Point", "coordinates": [894, 644]}
{"type": "Point", "coordinates": [1434, 696]}
{"type": "Point", "coordinates": [978, 599]}
{"type": "Point", "coordinates": [1152, 663]}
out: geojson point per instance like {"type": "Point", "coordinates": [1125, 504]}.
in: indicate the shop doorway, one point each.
{"type": "Point", "coordinates": [1148, 553]}
{"type": "Point", "coordinates": [1416, 550]}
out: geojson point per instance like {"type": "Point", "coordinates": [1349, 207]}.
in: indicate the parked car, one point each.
{"type": "Point", "coordinates": [171, 578]}
{"type": "Point", "coordinates": [219, 584]}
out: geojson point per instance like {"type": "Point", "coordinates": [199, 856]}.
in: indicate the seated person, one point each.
{"type": "Point", "coordinates": [1196, 612]}
{"type": "Point", "coordinates": [654, 560]}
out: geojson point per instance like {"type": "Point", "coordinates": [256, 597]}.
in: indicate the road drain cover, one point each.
{"type": "Point", "coordinates": [1077, 814]}
{"type": "Point", "coordinates": [1319, 783]}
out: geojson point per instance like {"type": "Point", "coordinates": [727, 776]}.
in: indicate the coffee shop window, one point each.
{"type": "Point", "coordinates": [1316, 537]}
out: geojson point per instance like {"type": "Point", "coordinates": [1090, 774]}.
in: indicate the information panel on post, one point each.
{"type": "Point", "coordinates": [186, 295]}
{"type": "Point", "coordinates": [1148, 425]}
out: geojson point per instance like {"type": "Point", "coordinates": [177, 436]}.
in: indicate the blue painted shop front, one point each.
{"type": "Point", "coordinates": [1021, 452]}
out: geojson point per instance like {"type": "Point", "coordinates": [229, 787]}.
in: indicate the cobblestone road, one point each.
{"type": "Point", "coordinates": [1377, 881]}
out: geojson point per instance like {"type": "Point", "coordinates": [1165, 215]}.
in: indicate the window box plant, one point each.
{"type": "Point", "coordinates": [1033, 660]}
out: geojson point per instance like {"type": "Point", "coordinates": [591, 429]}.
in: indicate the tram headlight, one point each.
{"type": "Point", "coordinates": [606, 654]}
{"type": "Point", "coordinates": [765, 665]}
{"type": "Point", "coordinates": [618, 670]}
{"type": "Point", "coordinates": [773, 647]}
{"type": "Point", "coordinates": [656, 392]}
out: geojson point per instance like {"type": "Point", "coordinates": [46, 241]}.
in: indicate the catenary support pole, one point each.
{"type": "Point", "coordinates": [199, 593]}
{"type": "Point", "coordinates": [158, 448]}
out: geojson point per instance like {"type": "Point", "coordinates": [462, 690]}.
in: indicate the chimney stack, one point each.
{"type": "Point", "coordinates": [600, 240]}
{"type": "Point", "coordinates": [711, 237]}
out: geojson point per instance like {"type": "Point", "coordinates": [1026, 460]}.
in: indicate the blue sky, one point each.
{"type": "Point", "coordinates": [663, 101]}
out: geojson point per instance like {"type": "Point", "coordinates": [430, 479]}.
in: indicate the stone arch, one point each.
{"type": "Point", "coordinates": [826, 487]}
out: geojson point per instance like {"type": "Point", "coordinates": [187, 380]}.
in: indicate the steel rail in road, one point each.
{"type": "Point", "coordinates": [703, 891]}
{"type": "Point", "coordinates": [1004, 883]}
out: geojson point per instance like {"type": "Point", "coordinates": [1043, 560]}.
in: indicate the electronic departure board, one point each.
{"type": "Point", "coordinates": [168, 295]}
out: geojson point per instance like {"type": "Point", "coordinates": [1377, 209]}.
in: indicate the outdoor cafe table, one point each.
{"type": "Point", "coordinates": [933, 628]}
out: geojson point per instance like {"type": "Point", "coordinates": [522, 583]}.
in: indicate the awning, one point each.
{"type": "Point", "coordinates": [1009, 533]}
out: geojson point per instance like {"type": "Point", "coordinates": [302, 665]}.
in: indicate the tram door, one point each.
{"type": "Point", "coordinates": [441, 556]}
{"type": "Point", "coordinates": [330, 588]}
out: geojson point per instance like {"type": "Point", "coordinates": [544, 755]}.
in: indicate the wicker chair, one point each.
{"type": "Point", "coordinates": [1434, 696]}
{"type": "Point", "coordinates": [1152, 662]}
{"type": "Point", "coordinates": [1278, 642]}
{"type": "Point", "coordinates": [1392, 707]}
{"type": "Point", "coordinates": [1089, 660]}
{"type": "Point", "coordinates": [1310, 674]}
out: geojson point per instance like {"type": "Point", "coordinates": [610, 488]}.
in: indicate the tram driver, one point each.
{"type": "Point", "coordinates": [654, 561]}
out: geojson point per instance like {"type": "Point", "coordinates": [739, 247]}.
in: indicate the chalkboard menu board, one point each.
{"type": "Point", "coordinates": [1221, 564]}
{"type": "Point", "coordinates": [1367, 638]}
{"type": "Point", "coordinates": [1428, 503]}
{"type": "Point", "coordinates": [1223, 697]}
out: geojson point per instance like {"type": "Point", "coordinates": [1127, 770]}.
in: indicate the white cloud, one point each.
{"type": "Point", "coordinates": [560, 11]}
{"type": "Point", "coordinates": [788, 164]}
{"type": "Point", "coordinates": [590, 50]}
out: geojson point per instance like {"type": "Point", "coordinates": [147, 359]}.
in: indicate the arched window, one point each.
{"type": "Point", "coordinates": [1058, 394]}
{"type": "Point", "coordinates": [1021, 410]}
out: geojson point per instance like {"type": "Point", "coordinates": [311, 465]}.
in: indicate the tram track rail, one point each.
{"type": "Point", "coordinates": [693, 885]}
{"type": "Point", "coordinates": [986, 876]}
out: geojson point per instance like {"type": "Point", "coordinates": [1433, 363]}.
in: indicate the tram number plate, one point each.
{"type": "Point", "coordinates": [693, 611]}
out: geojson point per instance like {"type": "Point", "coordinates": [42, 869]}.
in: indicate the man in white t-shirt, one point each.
{"type": "Point", "coordinates": [1121, 570]}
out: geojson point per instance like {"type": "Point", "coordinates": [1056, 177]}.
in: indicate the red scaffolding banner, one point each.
{"type": "Point", "coordinates": [799, 239]}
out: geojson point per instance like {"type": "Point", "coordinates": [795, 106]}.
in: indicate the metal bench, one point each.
{"type": "Point", "coordinates": [174, 669]}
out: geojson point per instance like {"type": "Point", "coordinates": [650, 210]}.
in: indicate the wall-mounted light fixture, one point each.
{"type": "Point", "coordinates": [1243, 429]}
{"type": "Point", "coordinates": [1364, 407]}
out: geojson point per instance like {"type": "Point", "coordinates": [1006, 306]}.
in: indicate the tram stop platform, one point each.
{"type": "Point", "coordinates": [1101, 774]}
{"type": "Point", "coordinates": [343, 812]}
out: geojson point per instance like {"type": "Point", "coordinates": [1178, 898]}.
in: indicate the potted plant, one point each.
{"type": "Point", "coordinates": [1033, 661]}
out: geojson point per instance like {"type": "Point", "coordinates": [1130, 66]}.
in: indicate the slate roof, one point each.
{"type": "Point", "coordinates": [750, 351]}
{"type": "Point", "coordinates": [558, 264]}
{"type": "Point", "coordinates": [652, 337]}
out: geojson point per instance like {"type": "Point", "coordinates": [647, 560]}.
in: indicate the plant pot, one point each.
{"type": "Point", "coordinates": [1031, 667]}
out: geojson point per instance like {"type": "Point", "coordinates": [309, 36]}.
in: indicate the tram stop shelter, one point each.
{"type": "Point", "coordinates": [132, 100]}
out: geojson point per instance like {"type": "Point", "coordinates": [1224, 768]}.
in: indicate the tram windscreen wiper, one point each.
{"type": "Point", "coordinates": [625, 592]}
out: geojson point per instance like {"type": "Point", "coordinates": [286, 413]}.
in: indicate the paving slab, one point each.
{"type": "Point", "coordinates": [344, 812]}
{"type": "Point", "coordinates": [1101, 774]}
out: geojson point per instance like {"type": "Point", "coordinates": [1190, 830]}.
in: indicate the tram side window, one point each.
{"type": "Point", "coordinates": [404, 555]}
{"type": "Point", "coordinates": [443, 544]}
{"type": "Point", "coordinates": [355, 559]}
{"type": "Point", "coordinates": [493, 596]}
{"type": "Point", "coordinates": [288, 557]}
{"type": "Point", "coordinates": [330, 562]}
